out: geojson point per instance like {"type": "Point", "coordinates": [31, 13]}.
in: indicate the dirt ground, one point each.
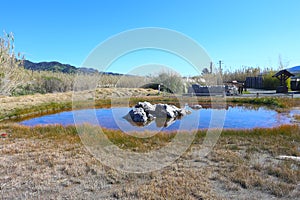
{"type": "Point", "coordinates": [61, 168]}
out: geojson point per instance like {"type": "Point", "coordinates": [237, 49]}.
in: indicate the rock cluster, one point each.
{"type": "Point", "coordinates": [145, 111]}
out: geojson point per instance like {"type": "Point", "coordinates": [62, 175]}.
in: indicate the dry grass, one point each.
{"type": "Point", "coordinates": [51, 162]}
{"type": "Point", "coordinates": [252, 167]}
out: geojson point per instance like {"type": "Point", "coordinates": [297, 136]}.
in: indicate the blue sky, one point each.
{"type": "Point", "coordinates": [238, 32]}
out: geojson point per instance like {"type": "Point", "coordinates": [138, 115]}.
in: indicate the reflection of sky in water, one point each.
{"type": "Point", "coordinates": [236, 117]}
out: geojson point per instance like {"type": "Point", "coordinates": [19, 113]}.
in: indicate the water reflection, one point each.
{"type": "Point", "coordinates": [159, 122]}
{"type": "Point", "coordinates": [227, 106]}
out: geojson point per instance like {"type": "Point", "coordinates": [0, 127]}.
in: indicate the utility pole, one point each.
{"type": "Point", "coordinates": [220, 67]}
{"type": "Point", "coordinates": [219, 80]}
{"type": "Point", "coordinates": [210, 67]}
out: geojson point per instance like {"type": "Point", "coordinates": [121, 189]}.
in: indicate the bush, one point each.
{"type": "Point", "coordinates": [171, 81]}
{"type": "Point", "coordinates": [11, 75]}
{"type": "Point", "coordinates": [270, 83]}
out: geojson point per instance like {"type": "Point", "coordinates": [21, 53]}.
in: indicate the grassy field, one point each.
{"type": "Point", "coordinates": [52, 163]}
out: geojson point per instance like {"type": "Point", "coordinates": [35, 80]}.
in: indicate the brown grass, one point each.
{"type": "Point", "coordinates": [52, 161]}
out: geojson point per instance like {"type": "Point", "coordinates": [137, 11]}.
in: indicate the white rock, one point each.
{"type": "Point", "coordinates": [148, 107]}
{"type": "Point", "coordinates": [296, 158]}
{"type": "Point", "coordinates": [145, 111]}
{"type": "Point", "coordinates": [138, 115]}
{"type": "Point", "coordinates": [196, 106]}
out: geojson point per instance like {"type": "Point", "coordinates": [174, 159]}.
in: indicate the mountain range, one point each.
{"type": "Point", "coordinates": [55, 66]}
{"type": "Point", "coordinates": [294, 70]}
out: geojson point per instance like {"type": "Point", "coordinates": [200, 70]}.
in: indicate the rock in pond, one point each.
{"type": "Point", "coordinates": [145, 111]}
{"type": "Point", "coordinates": [196, 107]}
{"type": "Point", "coordinates": [148, 107]}
{"type": "Point", "coordinates": [138, 115]}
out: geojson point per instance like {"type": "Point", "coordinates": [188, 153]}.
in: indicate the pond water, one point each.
{"type": "Point", "coordinates": [238, 117]}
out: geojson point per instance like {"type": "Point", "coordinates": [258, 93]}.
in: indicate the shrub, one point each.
{"type": "Point", "coordinates": [11, 75]}
{"type": "Point", "coordinates": [171, 81]}
{"type": "Point", "coordinates": [270, 83]}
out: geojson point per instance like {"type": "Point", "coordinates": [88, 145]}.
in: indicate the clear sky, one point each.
{"type": "Point", "coordinates": [238, 32]}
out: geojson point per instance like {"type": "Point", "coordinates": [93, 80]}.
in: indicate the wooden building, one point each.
{"type": "Point", "coordinates": [283, 76]}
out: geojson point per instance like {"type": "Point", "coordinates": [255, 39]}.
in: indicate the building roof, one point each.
{"type": "Point", "coordinates": [285, 72]}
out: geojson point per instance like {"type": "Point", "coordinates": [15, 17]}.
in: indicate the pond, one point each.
{"type": "Point", "coordinates": [238, 117]}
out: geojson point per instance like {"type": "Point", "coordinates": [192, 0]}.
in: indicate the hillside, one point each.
{"type": "Point", "coordinates": [56, 67]}
{"type": "Point", "coordinates": [294, 70]}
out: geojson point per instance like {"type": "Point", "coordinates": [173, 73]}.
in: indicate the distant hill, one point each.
{"type": "Point", "coordinates": [294, 70]}
{"type": "Point", "coordinates": [55, 66]}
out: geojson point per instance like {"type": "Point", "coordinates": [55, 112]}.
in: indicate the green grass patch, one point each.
{"type": "Point", "coordinates": [260, 101]}
{"type": "Point", "coordinates": [280, 140]}
{"type": "Point", "coordinates": [246, 92]}
{"type": "Point", "coordinates": [45, 108]}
